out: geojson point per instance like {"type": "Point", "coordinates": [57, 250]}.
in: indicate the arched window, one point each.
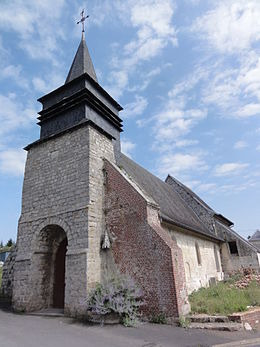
{"type": "Point", "coordinates": [198, 253]}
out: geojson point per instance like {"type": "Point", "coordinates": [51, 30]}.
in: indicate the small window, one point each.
{"type": "Point", "coordinates": [198, 253]}
{"type": "Point", "coordinates": [233, 247]}
{"type": "Point", "coordinates": [216, 258]}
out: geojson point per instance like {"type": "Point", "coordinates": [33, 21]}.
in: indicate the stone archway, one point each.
{"type": "Point", "coordinates": [59, 275]}
{"type": "Point", "coordinates": [48, 275]}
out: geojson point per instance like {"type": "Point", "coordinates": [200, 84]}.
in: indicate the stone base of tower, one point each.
{"type": "Point", "coordinates": [60, 230]}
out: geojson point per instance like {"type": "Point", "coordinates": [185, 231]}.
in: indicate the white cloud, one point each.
{"type": "Point", "coordinates": [232, 86]}
{"type": "Point", "coordinates": [47, 84]}
{"type": "Point", "coordinates": [229, 169]}
{"type": "Point", "coordinates": [118, 81]}
{"type": "Point", "coordinates": [12, 161]}
{"type": "Point", "coordinates": [231, 26]}
{"type": "Point", "coordinates": [248, 110]}
{"type": "Point", "coordinates": [14, 72]}
{"type": "Point", "coordinates": [152, 20]}
{"type": "Point", "coordinates": [176, 164]}
{"type": "Point", "coordinates": [240, 145]}
{"type": "Point", "coordinates": [176, 120]}
{"type": "Point", "coordinates": [135, 108]}
{"type": "Point", "coordinates": [127, 147]}
{"type": "Point", "coordinates": [146, 79]}
{"type": "Point", "coordinates": [185, 143]}
{"type": "Point", "coordinates": [37, 24]}
{"type": "Point", "coordinates": [14, 114]}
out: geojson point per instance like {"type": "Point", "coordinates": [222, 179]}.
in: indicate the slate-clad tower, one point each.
{"type": "Point", "coordinates": [61, 224]}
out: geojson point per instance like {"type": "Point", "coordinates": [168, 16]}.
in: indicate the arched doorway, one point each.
{"type": "Point", "coordinates": [49, 263]}
{"type": "Point", "coordinates": [59, 275]}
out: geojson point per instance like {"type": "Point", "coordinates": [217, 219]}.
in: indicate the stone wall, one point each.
{"type": "Point", "coordinates": [255, 243]}
{"type": "Point", "coordinates": [62, 186]}
{"type": "Point", "coordinates": [8, 274]}
{"type": "Point", "coordinates": [198, 275]}
{"type": "Point", "coordinates": [141, 248]}
{"type": "Point", "coordinates": [232, 262]}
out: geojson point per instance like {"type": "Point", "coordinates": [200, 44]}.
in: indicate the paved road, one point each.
{"type": "Point", "coordinates": [30, 331]}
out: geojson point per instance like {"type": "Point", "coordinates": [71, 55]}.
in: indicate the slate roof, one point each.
{"type": "Point", "coordinates": [172, 207]}
{"type": "Point", "coordinates": [256, 236]}
{"type": "Point", "coordinates": [82, 63]}
{"type": "Point", "coordinates": [219, 216]}
{"type": "Point", "coordinates": [190, 192]}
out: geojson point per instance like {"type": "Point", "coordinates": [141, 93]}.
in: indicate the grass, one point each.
{"type": "Point", "coordinates": [223, 298]}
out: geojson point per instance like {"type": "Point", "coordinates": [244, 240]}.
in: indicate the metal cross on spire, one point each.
{"type": "Point", "coordinates": [82, 21]}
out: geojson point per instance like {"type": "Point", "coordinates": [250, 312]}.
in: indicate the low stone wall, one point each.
{"type": "Point", "coordinates": [251, 317]}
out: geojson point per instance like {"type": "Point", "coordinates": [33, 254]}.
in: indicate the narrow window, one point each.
{"type": "Point", "coordinates": [216, 258]}
{"type": "Point", "coordinates": [198, 253]}
{"type": "Point", "coordinates": [233, 247]}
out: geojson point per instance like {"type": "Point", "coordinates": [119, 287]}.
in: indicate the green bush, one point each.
{"type": "Point", "coordinates": [159, 319]}
{"type": "Point", "coordinates": [224, 298]}
{"type": "Point", "coordinates": [184, 322]}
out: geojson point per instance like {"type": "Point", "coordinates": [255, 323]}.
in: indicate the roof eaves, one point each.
{"type": "Point", "coordinates": [182, 225]}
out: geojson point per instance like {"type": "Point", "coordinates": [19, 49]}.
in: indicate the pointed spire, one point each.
{"type": "Point", "coordinates": [82, 63]}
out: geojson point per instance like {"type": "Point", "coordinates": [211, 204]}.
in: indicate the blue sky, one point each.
{"type": "Point", "coordinates": [187, 73]}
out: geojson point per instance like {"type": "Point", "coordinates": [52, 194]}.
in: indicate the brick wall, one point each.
{"type": "Point", "coordinates": [252, 317]}
{"type": "Point", "coordinates": [141, 248]}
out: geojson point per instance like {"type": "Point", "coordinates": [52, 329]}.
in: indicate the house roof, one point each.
{"type": "Point", "coordinates": [172, 207]}
{"type": "Point", "coordinates": [218, 216]}
{"type": "Point", "coordinates": [254, 248]}
{"type": "Point", "coordinates": [256, 236]}
{"type": "Point", "coordinates": [82, 63]}
{"type": "Point", "coordinates": [190, 192]}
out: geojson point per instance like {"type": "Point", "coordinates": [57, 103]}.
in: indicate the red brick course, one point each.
{"type": "Point", "coordinates": [252, 317]}
{"type": "Point", "coordinates": [142, 249]}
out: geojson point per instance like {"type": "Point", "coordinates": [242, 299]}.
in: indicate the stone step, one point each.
{"type": "Point", "coordinates": [204, 318]}
{"type": "Point", "coordinates": [217, 326]}
{"type": "Point", "coordinates": [52, 312]}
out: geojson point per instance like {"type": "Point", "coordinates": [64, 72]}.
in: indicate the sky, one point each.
{"type": "Point", "coordinates": [187, 73]}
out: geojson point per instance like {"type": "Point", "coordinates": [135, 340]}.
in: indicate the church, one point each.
{"type": "Point", "coordinates": [89, 211]}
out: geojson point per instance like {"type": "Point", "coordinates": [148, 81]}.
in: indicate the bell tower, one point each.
{"type": "Point", "coordinates": [62, 222]}
{"type": "Point", "coordinates": [81, 99]}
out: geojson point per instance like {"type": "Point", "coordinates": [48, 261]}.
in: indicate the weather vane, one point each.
{"type": "Point", "coordinates": [82, 21]}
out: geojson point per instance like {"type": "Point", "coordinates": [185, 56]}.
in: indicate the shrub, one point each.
{"type": "Point", "coordinates": [117, 295]}
{"type": "Point", "coordinates": [184, 322]}
{"type": "Point", "coordinates": [159, 319]}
